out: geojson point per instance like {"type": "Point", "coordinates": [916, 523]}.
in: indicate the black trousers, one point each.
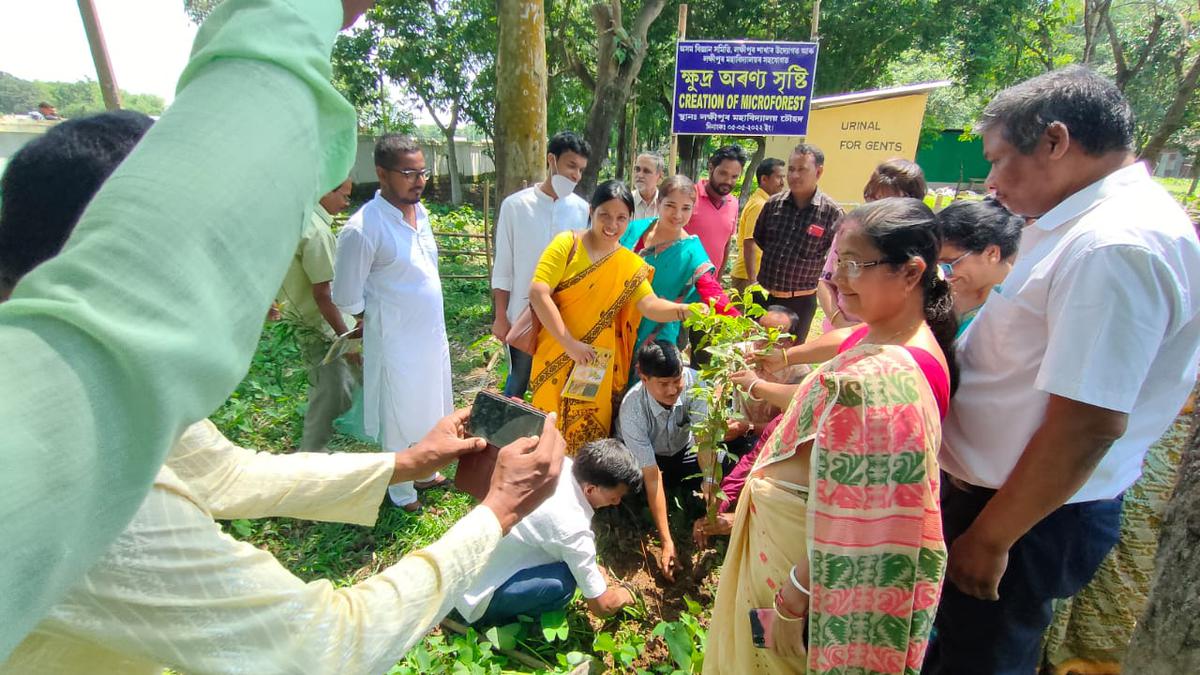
{"type": "Point", "coordinates": [1055, 559]}
{"type": "Point", "coordinates": [805, 306]}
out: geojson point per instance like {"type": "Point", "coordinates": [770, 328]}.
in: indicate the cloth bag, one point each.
{"type": "Point", "coordinates": [524, 331]}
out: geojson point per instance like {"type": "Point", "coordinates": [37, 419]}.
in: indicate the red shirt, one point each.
{"type": "Point", "coordinates": [714, 225]}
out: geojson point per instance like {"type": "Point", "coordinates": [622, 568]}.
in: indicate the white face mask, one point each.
{"type": "Point", "coordinates": [562, 185]}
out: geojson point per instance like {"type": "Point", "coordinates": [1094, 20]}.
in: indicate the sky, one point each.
{"type": "Point", "coordinates": [148, 42]}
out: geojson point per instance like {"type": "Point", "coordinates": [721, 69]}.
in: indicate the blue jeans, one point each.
{"type": "Point", "coordinates": [1055, 559]}
{"type": "Point", "coordinates": [519, 366]}
{"type": "Point", "coordinates": [531, 592]}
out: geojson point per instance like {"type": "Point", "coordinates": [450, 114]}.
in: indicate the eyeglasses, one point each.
{"type": "Point", "coordinates": [638, 169]}
{"type": "Point", "coordinates": [854, 268]}
{"type": "Point", "coordinates": [412, 174]}
{"type": "Point", "coordinates": [948, 268]}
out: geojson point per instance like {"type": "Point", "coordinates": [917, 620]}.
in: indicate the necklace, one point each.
{"type": "Point", "coordinates": [893, 336]}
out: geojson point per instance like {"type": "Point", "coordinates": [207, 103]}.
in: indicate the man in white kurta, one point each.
{"type": "Point", "coordinates": [387, 273]}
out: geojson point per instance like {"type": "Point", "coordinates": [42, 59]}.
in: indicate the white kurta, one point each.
{"type": "Point", "coordinates": [388, 269]}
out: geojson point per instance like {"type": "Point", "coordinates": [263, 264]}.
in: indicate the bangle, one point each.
{"type": "Point", "coordinates": [796, 582]}
{"type": "Point", "coordinates": [835, 315]}
{"type": "Point", "coordinates": [750, 390]}
{"type": "Point", "coordinates": [785, 363]}
{"type": "Point", "coordinates": [785, 615]}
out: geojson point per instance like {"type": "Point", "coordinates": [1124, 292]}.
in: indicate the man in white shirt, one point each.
{"type": "Point", "coordinates": [538, 565]}
{"type": "Point", "coordinates": [648, 173]}
{"type": "Point", "coordinates": [528, 220]}
{"type": "Point", "coordinates": [1069, 373]}
{"type": "Point", "coordinates": [386, 275]}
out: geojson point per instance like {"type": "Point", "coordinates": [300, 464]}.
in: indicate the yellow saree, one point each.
{"type": "Point", "coordinates": [598, 308]}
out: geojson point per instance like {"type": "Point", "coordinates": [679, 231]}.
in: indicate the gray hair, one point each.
{"type": "Point", "coordinates": [389, 147]}
{"type": "Point", "coordinates": [1093, 109]}
{"type": "Point", "coordinates": [659, 165]}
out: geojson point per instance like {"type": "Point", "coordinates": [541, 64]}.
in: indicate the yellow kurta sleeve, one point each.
{"type": "Point", "coordinates": [234, 482]}
{"type": "Point", "coordinates": [148, 318]}
{"type": "Point", "coordinates": [174, 590]}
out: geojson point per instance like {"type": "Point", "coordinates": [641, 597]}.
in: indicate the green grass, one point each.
{"type": "Point", "coordinates": [266, 413]}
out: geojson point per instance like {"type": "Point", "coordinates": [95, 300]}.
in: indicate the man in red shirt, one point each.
{"type": "Point", "coordinates": [715, 218]}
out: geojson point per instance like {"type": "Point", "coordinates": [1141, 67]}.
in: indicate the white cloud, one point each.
{"type": "Point", "coordinates": [148, 42]}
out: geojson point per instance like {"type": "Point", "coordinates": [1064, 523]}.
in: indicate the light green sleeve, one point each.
{"type": "Point", "coordinates": [148, 318]}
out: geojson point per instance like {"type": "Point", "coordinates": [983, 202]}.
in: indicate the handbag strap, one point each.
{"type": "Point", "coordinates": [575, 237]}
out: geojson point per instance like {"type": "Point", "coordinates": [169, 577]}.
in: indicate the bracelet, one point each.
{"type": "Point", "coordinates": [796, 582]}
{"type": "Point", "coordinates": [835, 315]}
{"type": "Point", "coordinates": [750, 389]}
{"type": "Point", "coordinates": [785, 363]}
{"type": "Point", "coordinates": [785, 616]}
{"type": "Point", "coordinates": [710, 480]}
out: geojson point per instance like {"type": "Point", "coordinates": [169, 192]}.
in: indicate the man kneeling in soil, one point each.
{"type": "Point", "coordinates": [656, 424]}
{"type": "Point", "coordinates": [538, 564]}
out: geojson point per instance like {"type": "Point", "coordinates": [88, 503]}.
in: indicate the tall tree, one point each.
{"type": "Point", "coordinates": [438, 51]}
{"type": "Point", "coordinates": [619, 54]}
{"type": "Point", "coordinates": [1153, 53]}
{"type": "Point", "coordinates": [520, 134]}
{"type": "Point", "coordinates": [1165, 640]}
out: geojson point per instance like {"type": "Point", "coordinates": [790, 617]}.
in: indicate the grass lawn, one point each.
{"type": "Point", "coordinates": [664, 634]}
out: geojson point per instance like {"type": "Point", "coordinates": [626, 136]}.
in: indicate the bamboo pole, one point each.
{"type": "Point", "coordinates": [816, 21]}
{"type": "Point", "coordinates": [672, 163]}
{"type": "Point", "coordinates": [487, 225]}
{"type": "Point", "coordinates": [104, 71]}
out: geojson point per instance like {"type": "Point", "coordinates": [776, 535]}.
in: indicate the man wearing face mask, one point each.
{"type": "Point", "coordinates": [528, 220]}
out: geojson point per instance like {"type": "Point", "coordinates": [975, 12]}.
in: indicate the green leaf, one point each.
{"type": "Point", "coordinates": [242, 528]}
{"type": "Point", "coordinates": [679, 644]}
{"type": "Point", "coordinates": [604, 642]}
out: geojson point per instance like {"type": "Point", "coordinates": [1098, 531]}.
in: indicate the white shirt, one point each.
{"type": "Point", "coordinates": [1100, 308]}
{"type": "Point", "coordinates": [387, 268]}
{"type": "Point", "coordinates": [560, 530]}
{"type": "Point", "coordinates": [528, 220]}
{"type": "Point", "coordinates": [649, 429]}
{"type": "Point", "coordinates": [643, 208]}
{"type": "Point", "coordinates": [175, 590]}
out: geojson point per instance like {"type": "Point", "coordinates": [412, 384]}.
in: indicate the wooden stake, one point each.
{"type": "Point", "coordinates": [487, 225]}
{"type": "Point", "coordinates": [816, 21]}
{"type": "Point", "coordinates": [671, 163]}
{"type": "Point", "coordinates": [104, 71]}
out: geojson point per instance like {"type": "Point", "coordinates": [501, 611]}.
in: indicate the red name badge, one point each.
{"type": "Point", "coordinates": [816, 230]}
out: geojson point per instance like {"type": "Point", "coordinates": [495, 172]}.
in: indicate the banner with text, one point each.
{"type": "Point", "coordinates": [739, 87]}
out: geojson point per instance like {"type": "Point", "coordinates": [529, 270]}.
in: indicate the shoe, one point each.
{"type": "Point", "coordinates": [439, 482]}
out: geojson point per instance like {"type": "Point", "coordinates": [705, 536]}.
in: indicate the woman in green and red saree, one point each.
{"type": "Point", "coordinates": [590, 294]}
{"type": "Point", "coordinates": [839, 527]}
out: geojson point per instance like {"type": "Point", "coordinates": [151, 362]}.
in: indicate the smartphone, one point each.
{"type": "Point", "coordinates": [499, 421]}
{"type": "Point", "coordinates": [762, 620]}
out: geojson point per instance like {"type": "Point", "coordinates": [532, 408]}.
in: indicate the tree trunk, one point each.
{"type": "Point", "coordinates": [456, 190]}
{"type": "Point", "coordinates": [614, 80]}
{"type": "Point", "coordinates": [690, 148]}
{"type": "Point", "coordinates": [1173, 120]}
{"type": "Point", "coordinates": [520, 95]}
{"type": "Point", "coordinates": [759, 152]}
{"type": "Point", "coordinates": [623, 146]}
{"type": "Point", "coordinates": [1167, 639]}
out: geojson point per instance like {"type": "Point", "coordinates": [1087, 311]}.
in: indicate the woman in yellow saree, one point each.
{"type": "Point", "coordinates": [590, 294]}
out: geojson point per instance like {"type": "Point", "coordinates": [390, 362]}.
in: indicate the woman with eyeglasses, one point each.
{"type": "Point", "coordinates": [979, 241]}
{"type": "Point", "coordinates": [839, 526]}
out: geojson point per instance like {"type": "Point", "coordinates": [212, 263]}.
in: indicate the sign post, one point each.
{"type": "Point", "coordinates": [743, 88]}
{"type": "Point", "coordinates": [674, 154]}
